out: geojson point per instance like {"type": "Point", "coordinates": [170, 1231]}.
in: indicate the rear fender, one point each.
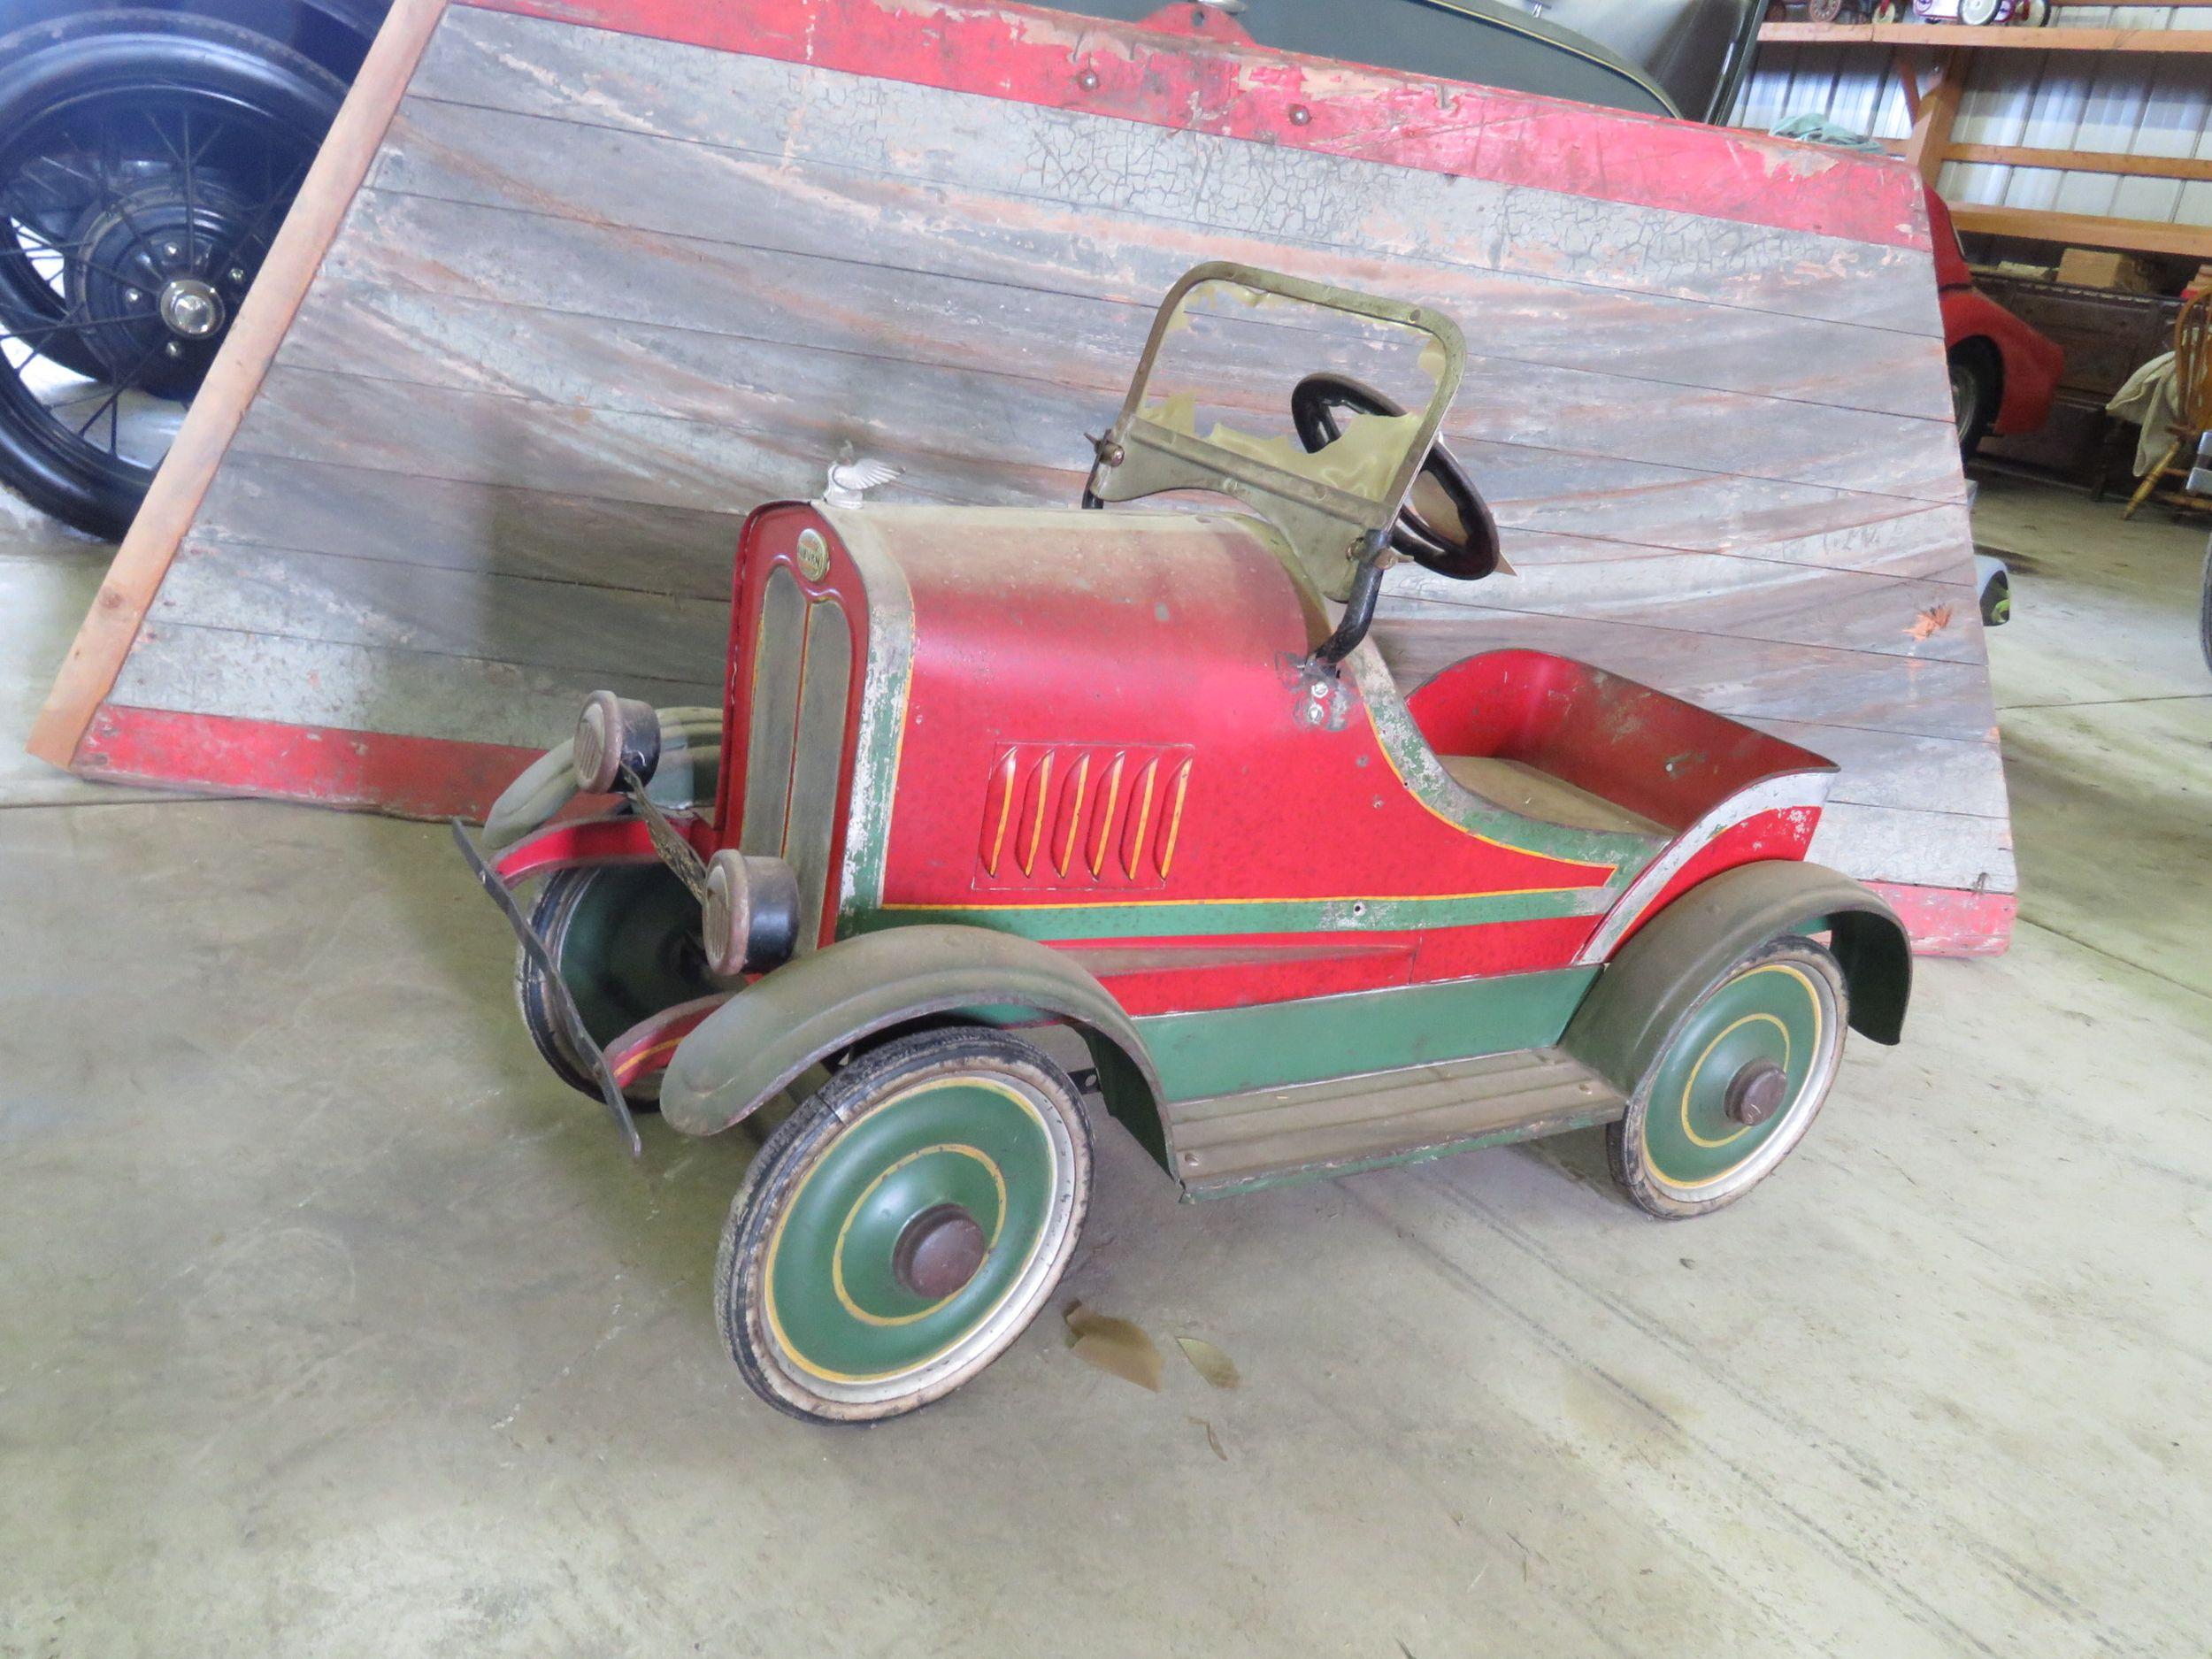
{"type": "Point", "coordinates": [1652, 981]}
{"type": "Point", "coordinates": [684, 778]}
{"type": "Point", "coordinates": [813, 1009]}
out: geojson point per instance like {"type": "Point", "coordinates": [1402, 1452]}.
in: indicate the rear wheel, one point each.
{"type": "Point", "coordinates": [1742, 1076]}
{"type": "Point", "coordinates": [1973, 394]}
{"type": "Point", "coordinates": [627, 942]}
{"type": "Point", "coordinates": [146, 160]}
{"type": "Point", "coordinates": [902, 1226]}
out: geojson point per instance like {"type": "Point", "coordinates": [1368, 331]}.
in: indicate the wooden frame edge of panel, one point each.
{"type": "Point", "coordinates": [2083, 230]}
{"type": "Point", "coordinates": [104, 639]}
{"type": "Point", "coordinates": [1992, 37]}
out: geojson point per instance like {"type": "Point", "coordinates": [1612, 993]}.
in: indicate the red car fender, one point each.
{"type": "Point", "coordinates": [2030, 364]}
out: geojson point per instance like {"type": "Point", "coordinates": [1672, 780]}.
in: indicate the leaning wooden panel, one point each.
{"type": "Point", "coordinates": [604, 289]}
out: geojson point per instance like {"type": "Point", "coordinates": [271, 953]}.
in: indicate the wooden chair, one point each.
{"type": "Point", "coordinates": [2192, 394]}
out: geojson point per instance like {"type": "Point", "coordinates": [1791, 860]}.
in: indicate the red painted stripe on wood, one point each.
{"type": "Point", "coordinates": [1235, 90]}
{"type": "Point", "coordinates": [1952, 921]}
{"type": "Point", "coordinates": [413, 777]}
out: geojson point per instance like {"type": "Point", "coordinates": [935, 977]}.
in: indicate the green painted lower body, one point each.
{"type": "Point", "coordinates": [1231, 1051]}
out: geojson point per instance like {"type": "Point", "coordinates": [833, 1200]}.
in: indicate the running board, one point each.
{"type": "Point", "coordinates": [1229, 1142]}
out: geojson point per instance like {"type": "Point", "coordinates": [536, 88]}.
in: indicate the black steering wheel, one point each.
{"type": "Point", "coordinates": [1445, 524]}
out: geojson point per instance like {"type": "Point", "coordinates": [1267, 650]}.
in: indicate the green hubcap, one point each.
{"type": "Point", "coordinates": [842, 1297]}
{"type": "Point", "coordinates": [1716, 1098]}
{"type": "Point", "coordinates": [630, 948]}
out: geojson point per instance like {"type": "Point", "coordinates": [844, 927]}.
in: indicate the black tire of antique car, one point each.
{"type": "Point", "coordinates": [903, 1226]}
{"type": "Point", "coordinates": [1976, 377]}
{"type": "Point", "coordinates": [146, 160]}
{"type": "Point", "coordinates": [1740, 1078]}
{"type": "Point", "coordinates": [2204, 611]}
{"type": "Point", "coordinates": [626, 938]}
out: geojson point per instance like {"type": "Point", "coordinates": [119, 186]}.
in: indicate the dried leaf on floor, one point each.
{"type": "Point", "coordinates": [1115, 1346]}
{"type": "Point", "coordinates": [1209, 1361]}
{"type": "Point", "coordinates": [1931, 621]}
{"type": "Point", "coordinates": [1212, 1439]}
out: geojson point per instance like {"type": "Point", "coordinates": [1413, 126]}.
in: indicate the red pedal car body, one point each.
{"type": "Point", "coordinates": [1014, 816]}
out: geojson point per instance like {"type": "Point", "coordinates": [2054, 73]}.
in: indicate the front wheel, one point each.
{"type": "Point", "coordinates": [1741, 1079]}
{"type": "Point", "coordinates": [625, 938]}
{"type": "Point", "coordinates": [903, 1226]}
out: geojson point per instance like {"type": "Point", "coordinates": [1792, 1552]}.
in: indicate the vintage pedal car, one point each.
{"type": "Point", "coordinates": [1011, 811]}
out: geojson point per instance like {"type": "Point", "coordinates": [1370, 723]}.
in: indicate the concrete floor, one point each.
{"type": "Point", "coordinates": [333, 1326]}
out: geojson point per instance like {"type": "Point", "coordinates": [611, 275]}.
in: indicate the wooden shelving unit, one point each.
{"type": "Point", "coordinates": [1934, 107]}
{"type": "Point", "coordinates": [1959, 36]}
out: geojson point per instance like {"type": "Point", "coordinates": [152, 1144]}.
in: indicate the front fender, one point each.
{"type": "Point", "coordinates": [754, 1046]}
{"type": "Point", "coordinates": [1651, 982]}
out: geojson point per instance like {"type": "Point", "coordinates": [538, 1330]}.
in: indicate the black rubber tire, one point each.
{"type": "Point", "coordinates": [608, 1006]}
{"type": "Point", "coordinates": [48, 66]}
{"type": "Point", "coordinates": [806, 1136]}
{"type": "Point", "coordinates": [1977, 384]}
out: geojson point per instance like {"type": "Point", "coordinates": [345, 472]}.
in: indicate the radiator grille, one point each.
{"type": "Point", "coordinates": [794, 751]}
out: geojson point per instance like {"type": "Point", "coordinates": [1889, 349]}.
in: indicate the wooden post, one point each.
{"type": "Point", "coordinates": [1933, 110]}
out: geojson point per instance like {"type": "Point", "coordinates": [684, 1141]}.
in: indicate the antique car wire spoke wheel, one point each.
{"type": "Point", "coordinates": [146, 161]}
{"type": "Point", "coordinates": [1740, 1081]}
{"type": "Point", "coordinates": [627, 940]}
{"type": "Point", "coordinates": [903, 1226]}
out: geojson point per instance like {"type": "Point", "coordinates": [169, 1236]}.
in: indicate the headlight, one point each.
{"type": "Point", "coordinates": [751, 916]}
{"type": "Point", "coordinates": [611, 734]}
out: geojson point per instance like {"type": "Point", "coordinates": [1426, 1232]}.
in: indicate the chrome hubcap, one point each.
{"type": "Point", "coordinates": [191, 308]}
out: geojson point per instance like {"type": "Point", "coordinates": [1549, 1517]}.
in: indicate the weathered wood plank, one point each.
{"type": "Point", "coordinates": [1916, 543]}
{"type": "Point", "coordinates": [1940, 849]}
{"type": "Point", "coordinates": [500, 529]}
{"type": "Point", "coordinates": [654, 459]}
{"type": "Point", "coordinates": [1747, 679]}
{"type": "Point", "coordinates": [1890, 769]}
{"type": "Point", "coordinates": [320, 597]}
{"type": "Point", "coordinates": [481, 436]}
{"type": "Point", "coordinates": [1048, 237]}
{"type": "Point", "coordinates": [798, 116]}
{"type": "Point", "coordinates": [1703, 593]}
{"type": "Point", "coordinates": [308, 682]}
{"type": "Point", "coordinates": [791, 295]}
{"type": "Point", "coordinates": [731, 379]}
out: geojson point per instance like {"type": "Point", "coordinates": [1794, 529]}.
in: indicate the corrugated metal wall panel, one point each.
{"type": "Point", "coordinates": [2125, 103]}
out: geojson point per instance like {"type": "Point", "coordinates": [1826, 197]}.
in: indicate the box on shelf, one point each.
{"type": "Point", "coordinates": [2100, 268]}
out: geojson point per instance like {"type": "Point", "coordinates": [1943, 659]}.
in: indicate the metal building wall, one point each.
{"type": "Point", "coordinates": [2126, 103]}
